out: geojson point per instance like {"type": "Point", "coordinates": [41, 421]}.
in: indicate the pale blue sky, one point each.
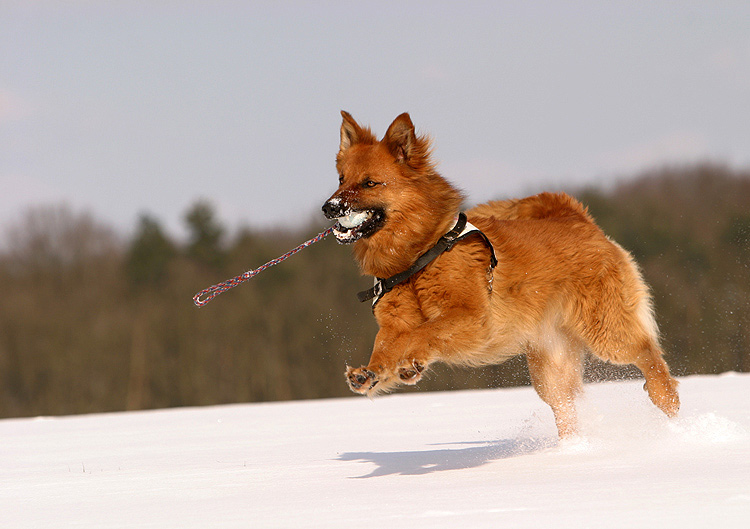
{"type": "Point", "coordinates": [124, 107]}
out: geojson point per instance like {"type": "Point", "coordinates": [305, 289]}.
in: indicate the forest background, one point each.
{"type": "Point", "coordinates": [92, 321]}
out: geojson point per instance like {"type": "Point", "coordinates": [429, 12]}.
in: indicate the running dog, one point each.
{"type": "Point", "coordinates": [534, 276]}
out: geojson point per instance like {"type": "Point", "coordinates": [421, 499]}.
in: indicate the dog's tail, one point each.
{"type": "Point", "coordinates": [541, 206]}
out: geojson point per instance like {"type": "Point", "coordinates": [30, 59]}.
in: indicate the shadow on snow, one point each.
{"type": "Point", "coordinates": [428, 461]}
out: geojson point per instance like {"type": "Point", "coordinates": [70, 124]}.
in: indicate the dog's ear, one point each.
{"type": "Point", "coordinates": [351, 132]}
{"type": "Point", "coordinates": [400, 138]}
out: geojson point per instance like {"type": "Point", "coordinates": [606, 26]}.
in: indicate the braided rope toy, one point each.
{"type": "Point", "coordinates": [214, 290]}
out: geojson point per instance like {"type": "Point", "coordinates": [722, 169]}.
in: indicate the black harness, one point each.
{"type": "Point", "coordinates": [460, 231]}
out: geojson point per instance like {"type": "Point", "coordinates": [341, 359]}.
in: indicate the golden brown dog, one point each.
{"type": "Point", "coordinates": [560, 288]}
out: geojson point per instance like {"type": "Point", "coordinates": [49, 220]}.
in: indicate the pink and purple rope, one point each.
{"type": "Point", "coordinates": [213, 291]}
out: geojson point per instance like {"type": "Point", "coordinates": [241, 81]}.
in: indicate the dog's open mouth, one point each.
{"type": "Point", "coordinates": [357, 224]}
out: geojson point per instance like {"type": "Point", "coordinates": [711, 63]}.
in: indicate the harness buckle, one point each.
{"type": "Point", "coordinates": [378, 290]}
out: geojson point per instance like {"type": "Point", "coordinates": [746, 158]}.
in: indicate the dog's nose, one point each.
{"type": "Point", "coordinates": [333, 209]}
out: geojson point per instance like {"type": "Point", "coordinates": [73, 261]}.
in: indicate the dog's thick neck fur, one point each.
{"type": "Point", "coordinates": [407, 233]}
{"type": "Point", "coordinates": [398, 245]}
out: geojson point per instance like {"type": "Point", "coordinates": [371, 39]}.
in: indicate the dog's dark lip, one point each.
{"type": "Point", "coordinates": [368, 228]}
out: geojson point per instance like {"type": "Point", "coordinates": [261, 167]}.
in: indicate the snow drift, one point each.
{"type": "Point", "coordinates": [452, 459]}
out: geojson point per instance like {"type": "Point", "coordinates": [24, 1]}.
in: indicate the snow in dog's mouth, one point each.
{"type": "Point", "coordinates": [357, 224]}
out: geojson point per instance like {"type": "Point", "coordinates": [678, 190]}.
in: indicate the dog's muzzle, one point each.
{"type": "Point", "coordinates": [334, 208]}
{"type": "Point", "coordinates": [352, 224]}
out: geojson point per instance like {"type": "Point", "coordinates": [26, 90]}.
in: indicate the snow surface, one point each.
{"type": "Point", "coordinates": [469, 459]}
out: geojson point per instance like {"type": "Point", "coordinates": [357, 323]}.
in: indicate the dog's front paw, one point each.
{"type": "Point", "coordinates": [360, 379]}
{"type": "Point", "coordinates": [410, 371]}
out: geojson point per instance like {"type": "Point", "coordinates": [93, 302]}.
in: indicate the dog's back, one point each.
{"type": "Point", "coordinates": [541, 206]}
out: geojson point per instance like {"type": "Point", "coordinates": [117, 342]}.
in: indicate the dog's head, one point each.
{"type": "Point", "coordinates": [375, 177]}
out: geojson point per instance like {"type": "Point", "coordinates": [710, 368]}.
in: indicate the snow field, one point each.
{"type": "Point", "coordinates": [472, 459]}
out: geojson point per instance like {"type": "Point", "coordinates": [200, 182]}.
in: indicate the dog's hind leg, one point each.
{"type": "Point", "coordinates": [661, 387]}
{"type": "Point", "coordinates": [555, 370]}
{"type": "Point", "coordinates": [632, 337]}
{"type": "Point", "coordinates": [638, 347]}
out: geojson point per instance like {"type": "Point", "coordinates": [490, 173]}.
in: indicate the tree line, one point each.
{"type": "Point", "coordinates": [93, 322]}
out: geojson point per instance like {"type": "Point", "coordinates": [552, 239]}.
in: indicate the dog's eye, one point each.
{"type": "Point", "coordinates": [369, 183]}
{"type": "Point", "coordinates": [341, 179]}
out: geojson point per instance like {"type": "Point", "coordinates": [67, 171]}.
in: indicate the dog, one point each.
{"type": "Point", "coordinates": [560, 287]}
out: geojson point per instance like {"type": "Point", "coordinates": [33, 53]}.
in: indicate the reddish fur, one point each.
{"type": "Point", "coordinates": [561, 286]}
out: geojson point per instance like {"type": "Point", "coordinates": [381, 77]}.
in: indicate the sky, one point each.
{"type": "Point", "coordinates": [131, 107]}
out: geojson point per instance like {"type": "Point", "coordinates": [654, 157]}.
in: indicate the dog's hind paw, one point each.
{"type": "Point", "coordinates": [360, 379]}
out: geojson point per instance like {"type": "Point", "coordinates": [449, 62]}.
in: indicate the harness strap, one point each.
{"type": "Point", "coordinates": [460, 231]}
